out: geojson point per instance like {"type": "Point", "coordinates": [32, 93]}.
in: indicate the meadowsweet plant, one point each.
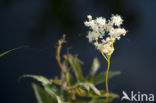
{"type": "Point", "coordinates": [71, 86]}
{"type": "Point", "coordinates": [103, 34]}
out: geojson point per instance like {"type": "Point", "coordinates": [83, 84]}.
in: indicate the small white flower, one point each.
{"type": "Point", "coordinates": [116, 33]}
{"type": "Point", "coordinates": [116, 20]}
{"type": "Point", "coordinates": [106, 48]}
{"type": "Point", "coordinates": [89, 17]}
{"type": "Point", "coordinates": [100, 29]}
{"type": "Point", "coordinates": [109, 27]}
{"type": "Point", "coordinates": [101, 21]}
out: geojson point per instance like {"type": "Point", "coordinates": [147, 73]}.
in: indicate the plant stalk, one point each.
{"type": "Point", "coordinates": [107, 74]}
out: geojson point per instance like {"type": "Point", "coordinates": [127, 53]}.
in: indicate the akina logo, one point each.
{"type": "Point", "coordinates": [138, 96]}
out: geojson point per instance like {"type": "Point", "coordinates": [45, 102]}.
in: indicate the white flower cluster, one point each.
{"type": "Point", "coordinates": [104, 33]}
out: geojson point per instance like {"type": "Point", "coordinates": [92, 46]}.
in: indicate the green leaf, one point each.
{"type": "Point", "coordinates": [91, 94]}
{"type": "Point", "coordinates": [53, 94]}
{"type": "Point", "coordinates": [94, 100]}
{"type": "Point", "coordinates": [111, 95]}
{"type": "Point", "coordinates": [89, 86]}
{"type": "Point", "coordinates": [4, 53]}
{"type": "Point", "coordinates": [41, 95]}
{"type": "Point", "coordinates": [100, 78]}
{"type": "Point", "coordinates": [75, 64]}
{"type": "Point", "coordinates": [39, 78]}
{"type": "Point", "coordinates": [97, 100]}
{"type": "Point", "coordinates": [92, 86]}
{"type": "Point", "coordinates": [57, 81]}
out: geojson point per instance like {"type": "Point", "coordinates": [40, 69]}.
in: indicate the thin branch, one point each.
{"type": "Point", "coordinates": [58, 51]}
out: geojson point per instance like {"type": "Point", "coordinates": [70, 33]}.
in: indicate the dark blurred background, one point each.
{"type": "Point", "coordinates": [40, 23]}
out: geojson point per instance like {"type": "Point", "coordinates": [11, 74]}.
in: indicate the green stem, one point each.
{"type": "Point", "coordinates": [104, 56]}
{"type": "Point", "coordinates": [107, 74]}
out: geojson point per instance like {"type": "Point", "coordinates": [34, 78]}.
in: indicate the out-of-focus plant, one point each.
{"type": "Point", "coordinates": [6, 52]}
{"type": "Point", "coordinates": [103, 34]}
{"type": "Point", "coordinates": [72, 86]}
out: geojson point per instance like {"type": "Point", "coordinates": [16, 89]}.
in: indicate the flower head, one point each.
{"type": "Point", "coordinates": [116, 20]}
{"type": "Point", "coordinates": [103, 34]}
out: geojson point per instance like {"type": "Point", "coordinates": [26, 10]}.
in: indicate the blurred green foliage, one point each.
{"type": "Point", "coordinates": [72, 86]}
{"type": "Point", "coordinates": [6, 52]}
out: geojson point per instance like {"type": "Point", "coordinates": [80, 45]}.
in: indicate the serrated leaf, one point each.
{"type": "Point", "coordinates": [75, 64]}
{"type": "Point", "coordinates": [39, 78]}
{"type": "Point", "coordinates": [41, 95]}
{"type": "Point", "coordinates": [100, 78]}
